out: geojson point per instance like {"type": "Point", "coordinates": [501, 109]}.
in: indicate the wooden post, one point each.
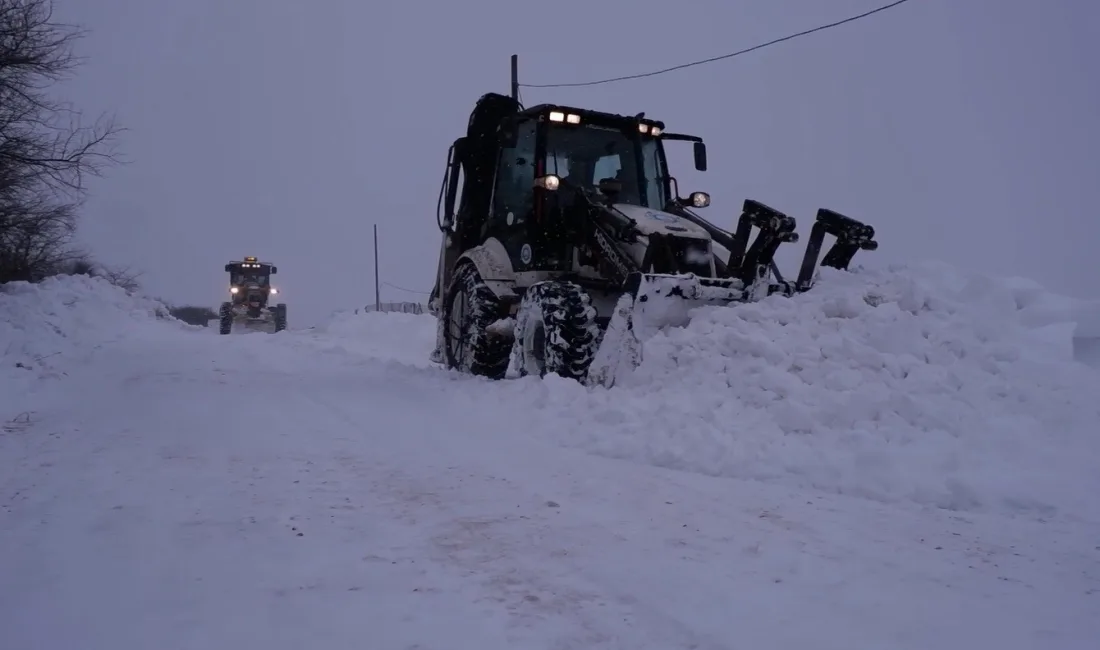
{"type": "Point", "coordinates": [515, 77]}
{"type": "Point", "coordinates": [377, 295]}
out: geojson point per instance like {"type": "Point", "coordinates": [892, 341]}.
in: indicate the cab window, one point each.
{"type": "Point", "coordinates": [515, 180]}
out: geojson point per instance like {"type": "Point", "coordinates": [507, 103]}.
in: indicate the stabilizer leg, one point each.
{"type": "Point", "coordinates": [751, 264]}
{"type": "Point", "coordinates": [851, 236]}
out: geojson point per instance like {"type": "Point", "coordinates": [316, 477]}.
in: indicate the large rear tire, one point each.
{"type": "Point", "coordinates": [556, 331]}
{"type": "Point", "coordinates": [469, 308]}
{"type": "Point", "coordinates": [225, 318]}
{"type": "Point", "coordinates": [280, 317]}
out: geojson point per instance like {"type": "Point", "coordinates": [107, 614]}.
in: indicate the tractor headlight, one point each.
{"type": "Point", "coordinates": [548, 182]}
{"type": "Point", "coordinates": [233, 289]}
{"type": "Point", "coordinates": [274, 291]}
{"type": "Point", "coordinates": [700, 199]}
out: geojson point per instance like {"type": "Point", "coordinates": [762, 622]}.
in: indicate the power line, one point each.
{"type": "Point", "coordinates": [394, 286]}
{"type": "Point", "coordinates": [724, 56]}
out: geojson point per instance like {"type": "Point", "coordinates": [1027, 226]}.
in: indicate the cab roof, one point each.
{"type": "Point", "coordinates": [590, 117]}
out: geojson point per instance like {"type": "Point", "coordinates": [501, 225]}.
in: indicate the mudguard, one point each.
{"type": "Point", "coordinates": [493, 265]}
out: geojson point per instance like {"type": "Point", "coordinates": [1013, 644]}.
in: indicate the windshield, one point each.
{"type": "Point", "coordinates": [254, 277]}
{"type": "Point", "coordinates": [587, 155]}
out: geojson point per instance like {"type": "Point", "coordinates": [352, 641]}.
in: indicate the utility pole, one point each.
{"type": "Point", "coordinates": [377, 298]}
{"type": "Point", "coordinates": [515, 77]}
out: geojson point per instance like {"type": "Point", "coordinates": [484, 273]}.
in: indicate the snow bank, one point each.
{"type": "Point", "coordinates": [406, 338]}
{"type": "Point", "coordinates": [919, 384]}
{"type": "Point", "coordinates": [46, 326]}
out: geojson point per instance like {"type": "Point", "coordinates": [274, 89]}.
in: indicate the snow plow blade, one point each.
{"type": "Point", "coordinates": [652, 302]}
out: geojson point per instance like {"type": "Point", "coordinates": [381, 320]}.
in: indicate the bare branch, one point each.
{"type": "Point", "coordinates": [47, 150]}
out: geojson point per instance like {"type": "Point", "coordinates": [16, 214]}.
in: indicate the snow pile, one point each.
{"type": "Point", "coordinates": [379, 335]}
{"type": "Point", "coordinates": [46, 326]}
{"type": "Point", "coordinates": [920, 384]}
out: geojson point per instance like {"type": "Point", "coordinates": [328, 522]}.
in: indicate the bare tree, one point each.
{"type": "Point", "coordinates": [46, 151]}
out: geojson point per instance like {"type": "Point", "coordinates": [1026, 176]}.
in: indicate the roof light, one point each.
{"type": "Point", "coordinates": [573, 119]}
{"type": "Point", "coordinates": [655, 131]}
{"type": "Point", "coordinates": [557, 116]}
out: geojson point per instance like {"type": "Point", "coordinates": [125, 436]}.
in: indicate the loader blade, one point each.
{"type": "Point", "coordinates": [620, 350]}
{"type": "Point", "coordinates": [653, 302]}
{"type": "Point", "coordinates": [662, 301]}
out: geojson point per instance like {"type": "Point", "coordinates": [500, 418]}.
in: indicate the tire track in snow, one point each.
{"type": "Point", "coordinates": [521, 558]}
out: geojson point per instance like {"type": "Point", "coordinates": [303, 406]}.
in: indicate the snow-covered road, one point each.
{"type": "Point", "coordinates": [330, 490]}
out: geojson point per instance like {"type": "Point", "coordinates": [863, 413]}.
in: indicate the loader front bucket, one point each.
{"type": "Point", "coordinates": [652, 302]}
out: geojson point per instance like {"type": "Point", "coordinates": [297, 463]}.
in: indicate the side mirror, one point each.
{"type": "Point", "coordinates": [610, 187]}
{"type": "Point", "coordinates": [700, 150]}
{"type": "Point", "coordinates": [699, 199]}
{"type": "Point", "coordinates": [274, 270]}
{"type": "Point", "coordinates": [228, 268]}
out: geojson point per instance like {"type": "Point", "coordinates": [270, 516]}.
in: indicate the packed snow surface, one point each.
{"type": "Point", "coordinates": [898, 459]}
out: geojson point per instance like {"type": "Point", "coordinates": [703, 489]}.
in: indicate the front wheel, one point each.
{"type": "Point", "coordinates": [225, 318]}
{"type": "Point", "coordinates": [556, 331]}
{"type": "Point", "coordinates": [280, 317]}
{"type": "Point", "coordinates": [469, 308]}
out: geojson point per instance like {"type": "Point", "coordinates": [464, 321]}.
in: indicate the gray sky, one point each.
{"type": "Point", "coordinates": [963, 130]}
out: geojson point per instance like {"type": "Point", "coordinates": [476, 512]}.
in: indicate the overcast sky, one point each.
{"type": "Point", "coordinates": [963, 130]}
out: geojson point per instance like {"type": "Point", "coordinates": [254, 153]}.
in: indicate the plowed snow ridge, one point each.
{"type": "Point", "coordinates": [64, 320]}
{"type": "Point", "coordinates": [920, 384]}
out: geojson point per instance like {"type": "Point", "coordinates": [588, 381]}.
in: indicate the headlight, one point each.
{"type": "Point", "coordinates": [548, 182]}
{"type": "Point", "coordinates": [233, 289]}
{"type": "Point", "coordinates": [274, 290]}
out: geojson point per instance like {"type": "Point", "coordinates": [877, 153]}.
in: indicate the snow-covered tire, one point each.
{"type": "Point", "coordinates": [225, 318]}
{"type": "Point", "coordinates": [556, 331]}
{"type": "Point", "coordinates": [469, 308]}
{"type": "Point", "coordinates": [280, 317]}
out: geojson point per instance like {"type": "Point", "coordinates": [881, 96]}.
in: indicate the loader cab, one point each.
{"type": "Point", "coordinates": [553, 162]}
{"type": "Point", "coordinates": [582, 149]}
{"type": "Point", "coordinates": [504, 179]}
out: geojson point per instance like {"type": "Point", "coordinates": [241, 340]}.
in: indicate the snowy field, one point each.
{"type": "Point", "coordinates": [904, 459]}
